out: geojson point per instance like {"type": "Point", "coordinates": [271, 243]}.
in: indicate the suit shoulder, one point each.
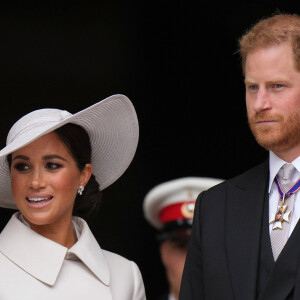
{"type": "Point", "coordinates": [253, 173]}
{"type": "Point", "coordinates": [256, 173]}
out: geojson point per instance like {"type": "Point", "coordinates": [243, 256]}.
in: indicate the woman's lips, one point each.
{"type": "Point", "coordinates": [38, 202]}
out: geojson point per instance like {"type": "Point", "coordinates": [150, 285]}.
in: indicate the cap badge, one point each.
{"type": "Point", "coordinates": [187, 210]}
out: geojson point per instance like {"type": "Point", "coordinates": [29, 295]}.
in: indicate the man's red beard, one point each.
{"type": "Point", "coordinates": [280, 136]}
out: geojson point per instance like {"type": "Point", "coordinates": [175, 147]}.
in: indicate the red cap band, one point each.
{"type": "Point", "coordinates": [177, 211]}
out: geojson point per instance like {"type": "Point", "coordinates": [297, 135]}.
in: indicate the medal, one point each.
{"type": "Point", "coordinates": [281, 214]}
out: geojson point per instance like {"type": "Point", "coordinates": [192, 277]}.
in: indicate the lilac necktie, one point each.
{"type": "Point", "coordinates": [279, 236]}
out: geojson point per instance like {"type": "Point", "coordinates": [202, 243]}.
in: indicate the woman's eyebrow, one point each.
{"type": "Point", "coordinates": [21, 157]}
{"type": "Point", "coordinates": [51, 156]}
{"type": "Point", "coordinates": [46, 157]}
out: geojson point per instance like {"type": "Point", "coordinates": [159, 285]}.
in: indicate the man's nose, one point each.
{"type": "Point", "coordinates": [262, 101]}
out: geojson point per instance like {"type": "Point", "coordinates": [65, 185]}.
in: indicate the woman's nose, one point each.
{"type": "Point", "coordinates": [37, 180]}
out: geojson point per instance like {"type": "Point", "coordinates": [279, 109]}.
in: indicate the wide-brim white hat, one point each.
{"type": "Point", "coordinates": [112, 126]}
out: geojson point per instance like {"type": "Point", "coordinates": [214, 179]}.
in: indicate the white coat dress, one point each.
{"type": "Point", "coordinates": [33, 267]}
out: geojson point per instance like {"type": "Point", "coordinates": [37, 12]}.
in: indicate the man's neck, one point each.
{"type": "Point", "coordinates": [288, 156]}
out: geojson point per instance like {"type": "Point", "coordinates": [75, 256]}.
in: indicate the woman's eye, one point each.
{"type": "Point", "coordinates": [53, 166]}
{"type": "Point", "coordinates": [21, 167]}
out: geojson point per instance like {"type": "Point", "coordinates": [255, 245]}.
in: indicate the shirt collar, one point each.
{"type": "Point", "coordinates": [276, 163]}
{"type": "Point", "coordinates": [43, 258]}
{"type": "Point", "coordinates": [171, 297]}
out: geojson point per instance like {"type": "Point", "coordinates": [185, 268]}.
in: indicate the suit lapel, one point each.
{"type": "Point", "coordinates": [283, 276]}
{"type": "Point", "coordinates": [245, 201]}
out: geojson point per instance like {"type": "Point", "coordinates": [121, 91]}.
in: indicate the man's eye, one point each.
{"type": "Point", "coordinates": [53, 166]}
{"type": "Point", "coordinates": [21, 167]}
{"type": "Point", "coordinates": [253, 87]}
{"type": "Point", "coordinates": [277, 85]}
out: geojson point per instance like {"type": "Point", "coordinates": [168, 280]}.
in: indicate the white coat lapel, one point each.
{"type": "Point", "coordinates": [48, 256]}
{"type": "Point", "coordinates": [89, 252]}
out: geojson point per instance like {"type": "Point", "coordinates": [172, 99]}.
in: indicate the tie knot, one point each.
{"type": "Point", "coordinates": [288, 170]}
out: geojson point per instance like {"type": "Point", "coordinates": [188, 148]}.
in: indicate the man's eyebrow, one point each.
{"type": "Point", "coordinates": [247, 80]}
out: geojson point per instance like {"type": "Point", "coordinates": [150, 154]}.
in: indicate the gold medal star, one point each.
{"type": "Point", "coordinates": [280, 216]}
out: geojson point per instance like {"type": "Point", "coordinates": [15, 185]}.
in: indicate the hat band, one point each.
{"type": "Point", "coordinates": [28, 128]}
{"type": "Point", "coordinates": [50, 117]}
{"type": "Point", "coordinates": [177, 211]}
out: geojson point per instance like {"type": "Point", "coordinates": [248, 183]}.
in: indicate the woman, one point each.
{"type": "Point", "coordinates": [50, 170]}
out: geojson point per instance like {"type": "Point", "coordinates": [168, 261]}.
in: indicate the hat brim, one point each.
{"type": "Point", "coordinates": [113, 129]}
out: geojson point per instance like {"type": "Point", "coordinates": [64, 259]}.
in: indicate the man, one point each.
{"type": "Point", "coordinates": [169, 207]}
{"type": "Point", "coordinates": [245, 241]}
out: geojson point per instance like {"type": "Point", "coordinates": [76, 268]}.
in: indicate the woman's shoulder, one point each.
{"type": "Point", "coordinates": [117, 260]}
{"type": "Point", "coordinates": [125, 273]}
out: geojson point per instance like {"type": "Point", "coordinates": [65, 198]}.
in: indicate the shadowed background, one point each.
{"type": "Point", "coordinates": [175, 61]}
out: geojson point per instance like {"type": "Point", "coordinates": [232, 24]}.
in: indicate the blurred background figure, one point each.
{"type": "Point", "coordinates": [169, 207]}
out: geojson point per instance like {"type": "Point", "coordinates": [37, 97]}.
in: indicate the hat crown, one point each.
{"type": "Point", "coordinates": [35, 119]}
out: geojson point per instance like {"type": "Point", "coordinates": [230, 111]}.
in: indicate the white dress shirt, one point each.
{"type": "Point", "coordinates": [275, 164]}
{"type": "Point", "coordinates": [171, 297]}
{"type": "Point", "coordinates": [33, 267]}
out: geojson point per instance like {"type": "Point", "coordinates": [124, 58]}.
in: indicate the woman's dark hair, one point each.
{"type": "Point", "coordinates": [78, 143]}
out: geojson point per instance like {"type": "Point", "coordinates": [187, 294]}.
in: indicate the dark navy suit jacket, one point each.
{"type": "Point", "coordinates": [223, 255]}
